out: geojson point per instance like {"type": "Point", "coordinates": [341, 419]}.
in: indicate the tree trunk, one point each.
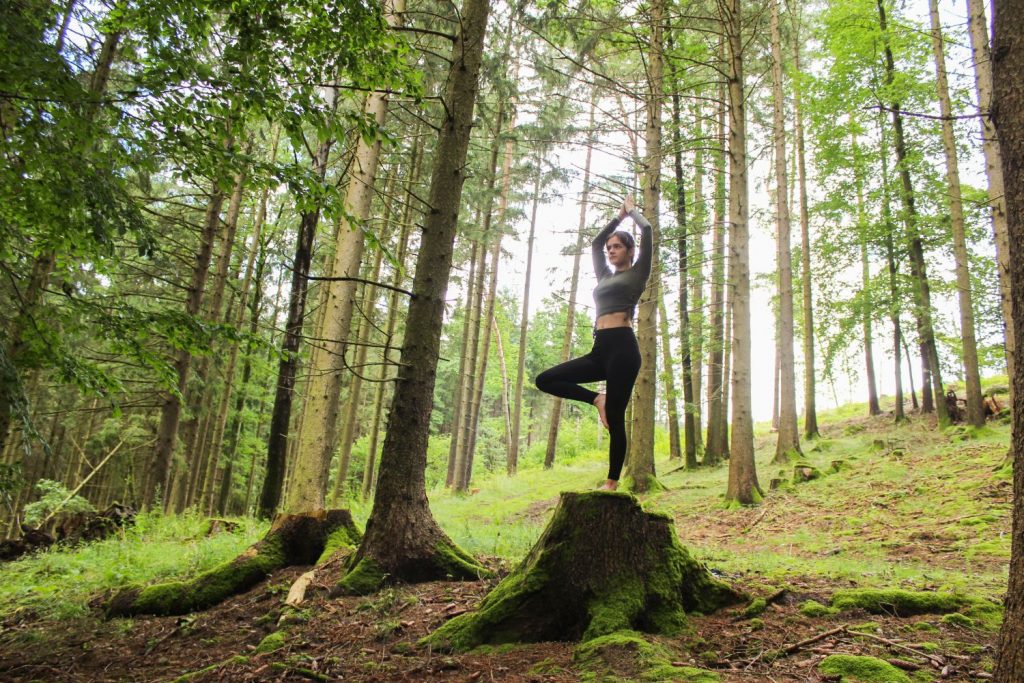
{"type": "Point", "coordinates": [403, 541]}
{"type": "Point", "coordinates": [277, 442]}
{"type": "Point", "coordinates": [317, 437]}
{"type": "Point", "coordinates": [370, 468]}
{"type": "Point", "coordinates": [979, 32]}
{"type": "Point", "coordinates": [899, 414]}
{"type": "Point", "coordinates": [570, 319]}
{"type": "Point", "coordinates": [867, 306]}
{"type": "Point", "coordinates": [810, 404]}
{"type": "Point", "coordinates": [922, 292]}
{"type": "Point", "coordinates": [716, 449]}
{"type": "Point", "coordinates": [1008, 113]}
{"type": "Point", "coordinates": [460, 396]}
{"type": "Point", "coordinates": [492, 287]}
{"type": "Point", "coordinates": [696, 227]}
{"type": "Point", "coordinates": [675, 451]}
{"type": "Point", "coordinates": [742, 487]}
{"type": "Point", "coordinates": [512, 463]}
{"type": "Point", "coordinates": [691, 422]}
{"type": "Point", "coordinates": [641, 451]}
{"type": "Point", "coordinates": [637, 577]}
{"type": "Point", "coordinates": [788, 442]}
{"type": "Point", "coordinates": [972, 377]}
{"type": "Point", "coordinates": [170, 411]}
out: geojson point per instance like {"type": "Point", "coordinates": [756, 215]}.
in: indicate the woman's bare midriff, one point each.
{"type": "Point", "coordinates": [609, 320]}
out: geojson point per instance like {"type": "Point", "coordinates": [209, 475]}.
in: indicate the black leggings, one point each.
{"type": "Point", "coordinates": [615, 358]}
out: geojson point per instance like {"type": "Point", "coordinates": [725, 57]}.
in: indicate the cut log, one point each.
{"type": "Point", "coordinates": [602, 565]}
{"type": "Point", "coordinates": [292, 540]}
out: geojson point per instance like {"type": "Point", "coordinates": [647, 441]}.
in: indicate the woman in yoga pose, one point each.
{"type": "Point", "coordinates": [615, 357]}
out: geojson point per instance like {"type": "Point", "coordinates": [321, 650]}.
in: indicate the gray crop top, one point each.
{"type": "Point", "coordinates": [621, 291]}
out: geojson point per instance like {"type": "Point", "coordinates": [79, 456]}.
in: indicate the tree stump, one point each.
{"type": "Point", "coordinates": [602, 565]}
{"type": "Point", "coordinates": [292, 540]}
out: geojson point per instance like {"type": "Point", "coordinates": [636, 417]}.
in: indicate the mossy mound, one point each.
{"type": "Point", "coordinates": [445, 561]}
{"type": "Point", "coordinates": [292, 540]}
{"type": "Point", "coordinates": [855, 669]}
{"type": "Point", "coordinates": [805, 471]}
{"type": "Point", "coordinates": [602, 565]}
{"type": "Point", "coordinates": [814, 609]}
{"type": "Point", "coordinates": [900, 603]}
{"type": "Point", "coordinates": [627, 655]}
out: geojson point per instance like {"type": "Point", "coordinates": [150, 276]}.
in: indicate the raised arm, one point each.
{"type": "Point", "coordinates": [643, 261]}
{"type": "Point", "coordinates": [601, 269]}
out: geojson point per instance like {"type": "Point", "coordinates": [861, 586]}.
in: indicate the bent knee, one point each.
{"type": "Point", "coordinates": [542, 381]}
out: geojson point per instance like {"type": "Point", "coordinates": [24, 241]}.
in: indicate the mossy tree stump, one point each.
{"type": "Point", "coordinates": [602, 565]}
{"type": "Point", "coordinates": [292, 540]}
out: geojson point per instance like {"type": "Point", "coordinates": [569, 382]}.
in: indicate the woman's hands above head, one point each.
{"type": "Point", "coordinates": [627, 206]}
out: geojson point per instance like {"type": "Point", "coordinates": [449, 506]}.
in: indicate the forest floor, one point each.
{"type": "Point", "coordinates": [907, 507]}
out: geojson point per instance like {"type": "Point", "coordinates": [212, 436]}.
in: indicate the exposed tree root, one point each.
{"type": "Point", "coordinates": [292, 540]}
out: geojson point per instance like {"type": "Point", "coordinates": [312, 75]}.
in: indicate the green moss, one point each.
{"type": "Point", "coordinates": [957, 619]}
{"type": "Point", "coordinates": [342, 539]}
{"type": "Point", "coordinates": [814, 609]}
{"type": "Point", "coordinates": [756, 607]}
{"type": "Point", "coordinates": [866, 627]}
{"type": "Point", "coordinates": [467, 631]}
{"type": "Point", "coordinates": [927, 626]}
{"type": "Point", "coordinates": [756, 624]}
{"type": "Point", "coordinates": [184, 678]}
{"type": "Point", "coordinates": [627, 655]}
{"type": "Point", "coordinates": [854, 669]}
{"type": "Point", "coordinates": [987, 615]}
{"type": "Point", "coordinates": [362, 579]}
{"type": "Point", "coordinates": [458, 564]}
{"type": "Point", "coordinates": [275, 641]}
{"type": "Point", "coordinates": [898, 602]}
{"type": "Point", "coordinates": [210, 587]}
{"type": "Point", "coordinates": [805, 471]}
{"type": "Point", "coordinates": [615, 610]}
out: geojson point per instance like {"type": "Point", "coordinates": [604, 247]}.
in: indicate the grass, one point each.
{"type": "Point", "coordinates": [915, 508]}
{"type": "Point", "coordinates": [58, 583]}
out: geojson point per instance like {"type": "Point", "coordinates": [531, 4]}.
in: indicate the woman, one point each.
{"type": "Point", "coordinates": [615, 357]}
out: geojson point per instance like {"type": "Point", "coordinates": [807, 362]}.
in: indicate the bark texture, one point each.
{"type": "Point", "coordinates": [403, 541]}
{"type": "Point", "coordinates": [1008, 113]}
{"type": "Point", "coordinates": [637, 576]}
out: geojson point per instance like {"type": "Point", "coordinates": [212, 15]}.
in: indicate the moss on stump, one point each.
{"type": "Point", "coordinates": [602, 565]}
{"type": "Point", "coordinates": [292, 540]}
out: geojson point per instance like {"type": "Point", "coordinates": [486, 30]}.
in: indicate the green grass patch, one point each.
{"type": "Point", "coordinates": [58, 583]}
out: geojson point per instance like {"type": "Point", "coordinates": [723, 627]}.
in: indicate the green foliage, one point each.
{"type": "Point", "coordinates": [52, 495]}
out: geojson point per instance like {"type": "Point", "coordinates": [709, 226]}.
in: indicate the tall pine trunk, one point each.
{"type": "Point", "coordinates": [717, 449]}
{"type": "Point", "coordinates": [641, 451]}
{"type": "Point", "coordinates": [1008, 113]}
{"type": "Point", "coordinates": [788, 441]}
{"type": "Point", "coordinates": [742, 486]}
{"type": "Point", "coordinates": [402, 540]}
{"type": "Point", "coordinates": [918, 270]}
{"type": "Point", "coordinates": [972, 377]}
{"type": "Point", "coordinates": [978, 29]}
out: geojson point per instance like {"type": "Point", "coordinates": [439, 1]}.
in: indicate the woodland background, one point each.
{"type": "Point", "coordinates": [218, 221]}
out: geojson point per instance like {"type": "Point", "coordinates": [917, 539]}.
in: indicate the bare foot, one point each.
{"type": "Point", "coordinates": [608, 485]}
{"type": "Point", "coordinates": [599, 402]}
